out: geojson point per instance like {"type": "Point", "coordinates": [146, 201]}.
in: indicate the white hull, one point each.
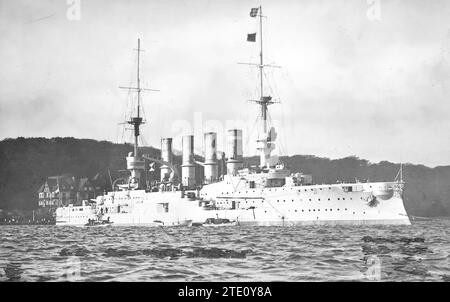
{"type": "Point", "coordinates": [302, 205]}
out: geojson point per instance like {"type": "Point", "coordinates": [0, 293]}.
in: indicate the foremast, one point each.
{"type": "Point", "coordinates": [265, 142]}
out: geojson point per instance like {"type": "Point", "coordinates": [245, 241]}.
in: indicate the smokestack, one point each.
{"type": "Point", "coordinates": [222, 165]}
{"type": "Point", "coordinates": [211, 168]}
{"type": "Point", "coordinates": [235, 153]}
{"type": "Point", "coordinates": [167, 156]}
{"type": "Point", "coordinates": [188, 166]}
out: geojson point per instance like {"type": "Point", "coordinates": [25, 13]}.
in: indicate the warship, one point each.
{"type": "Point", "coordinates": [231, 194]}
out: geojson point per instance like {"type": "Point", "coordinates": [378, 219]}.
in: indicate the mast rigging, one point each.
{"type": "Point", "coordinates": [137, 120]}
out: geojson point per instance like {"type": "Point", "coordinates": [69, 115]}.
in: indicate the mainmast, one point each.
{"type": "Point", "coordinates": [134, 162]}
{"type": "Point", "coordinates": [137, 121]}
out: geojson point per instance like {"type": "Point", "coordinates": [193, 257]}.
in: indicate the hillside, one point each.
{"type": "Point", "coordinates": [25, 163]}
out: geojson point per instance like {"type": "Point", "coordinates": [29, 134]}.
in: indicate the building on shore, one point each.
{"type": "Point", "coordinates": [66, 189]}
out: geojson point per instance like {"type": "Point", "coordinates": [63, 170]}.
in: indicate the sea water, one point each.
{"type": "Point", "coordinates": [419, 252]}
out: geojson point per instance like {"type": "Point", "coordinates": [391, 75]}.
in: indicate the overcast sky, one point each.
{"type": "Point", "coordinates": [358, 77]}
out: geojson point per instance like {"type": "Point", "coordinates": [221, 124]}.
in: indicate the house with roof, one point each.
{"type": "Point", "coordinates": [57, 191]}
{"type": "Point", "coordinates": [67, 189]}
{"type": "Point", "coordinates": [85, 191]}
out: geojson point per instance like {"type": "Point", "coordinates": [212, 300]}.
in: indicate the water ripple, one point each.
{"type": "Point", "coordinates": [420, 252]}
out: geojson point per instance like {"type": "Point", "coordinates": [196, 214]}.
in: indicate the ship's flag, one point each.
{"type": "Point", "coordinates": [254, 12]}
{"type": "Point", "coordinates": [251, 37]}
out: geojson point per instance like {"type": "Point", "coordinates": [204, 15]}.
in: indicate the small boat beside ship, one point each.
{"type": "Point", "coordinates": [215, 222]}
{"type": "Point", "coordinates": [98, 223]}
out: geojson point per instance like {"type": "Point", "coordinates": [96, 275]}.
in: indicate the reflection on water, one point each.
{"type": "Point", "coordinates": [305, 253]}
